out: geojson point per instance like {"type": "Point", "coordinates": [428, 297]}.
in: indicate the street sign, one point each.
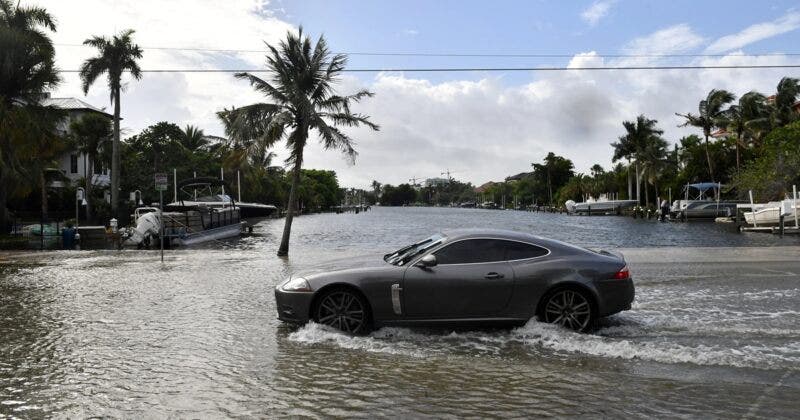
{"type": "Point", "coordinates": [161, 182]}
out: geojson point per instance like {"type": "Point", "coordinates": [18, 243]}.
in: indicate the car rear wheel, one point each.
{"type": "Point", "coordinates": [570, 308]}
{"type": "Point", "coordinates": [343, 309]}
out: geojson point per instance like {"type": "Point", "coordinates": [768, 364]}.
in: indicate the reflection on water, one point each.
{"type": "Point", "coordinates": [119, 334]}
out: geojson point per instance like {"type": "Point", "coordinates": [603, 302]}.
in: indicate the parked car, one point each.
{"type": "Point", "coordinates": [468, 278]}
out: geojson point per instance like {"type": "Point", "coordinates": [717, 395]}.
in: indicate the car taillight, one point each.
{"type": "Point", "coordinates": [622, 274]}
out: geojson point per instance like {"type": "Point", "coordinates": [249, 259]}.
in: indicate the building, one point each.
{"type": "Point", "coordinates": [519, 176]}
{"type": "Point", "coordinates": [436, 182]}
{"type": "Point", "coordinates": [73, 164]}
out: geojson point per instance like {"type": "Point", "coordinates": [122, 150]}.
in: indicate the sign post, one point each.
{"type": "Point", "coordinates": [161, 181]}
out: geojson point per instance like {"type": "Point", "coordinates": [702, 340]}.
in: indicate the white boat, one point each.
{"type": "Point", "coordinates": [705, 204]}
{"type": "Point", "coordinates": [208, 197]}
{"type": "Point", "coordinates": [184, 228]}
{"type": "Point", "coordinates": [770, 213]}
{"type": "Point", "coordinates": [600, 205]}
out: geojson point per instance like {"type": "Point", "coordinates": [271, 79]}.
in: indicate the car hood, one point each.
{"type": "Point", "coordinates": [343, 264]}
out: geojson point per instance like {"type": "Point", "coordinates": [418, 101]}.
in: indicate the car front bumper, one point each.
{"type": "Point", "coordinates": [293, 307]}
{"type": "Point", "coordinates": [614, 296]}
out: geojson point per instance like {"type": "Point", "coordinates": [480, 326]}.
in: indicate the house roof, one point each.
{"type": "Point", "coordinates": [519, 176]}
{"type": "Point", "coordinates": [484, 187]}
{"type": "Point", "coordinates": [73, 104]}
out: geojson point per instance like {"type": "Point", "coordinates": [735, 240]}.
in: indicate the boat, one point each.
{"type": "Point", "coordinates": [705, 204]}
{"type": "Point", "coordinates": [208, 197]}
{"type": "Point", "coordinates": [600, 205]}
{"type": "Point", "coordinates": [190, 225]}
{"type": "Point", "coordinates": [770, 213]}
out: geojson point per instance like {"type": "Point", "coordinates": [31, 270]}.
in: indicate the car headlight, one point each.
{"type": "Point", "coordinates": [297, 284]}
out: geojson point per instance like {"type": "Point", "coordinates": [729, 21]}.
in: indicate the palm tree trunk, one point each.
{"type": "Point", "coordinates": [115, 170]}
{"type": "Point", "coordinates": [283, 250]}
{"type": "Point", "coordinates": [708, 158]}
{"type": "Point", "coordinates": [630, 183]}
{"type": "Point", "coordinates": [638, 184]}
{"type": "Point", "coordinates": [646, 190]}
{"type": "Point", "coordinates": [88, 179]}
{"type": "Point", "coordinates": [43, 185]}
{"type": "Point", "coordinates": [3, 214]}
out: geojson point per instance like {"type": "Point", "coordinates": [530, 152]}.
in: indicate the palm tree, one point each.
{"type": "Point", "coordinates": [742, 117]}
{"type": "Point", "coordinates": [300, 91]}
{"type": "Point", "coordinates": [193, 139]}
{"type": "Point", "coordinates": [115, 56]}
{"type": "Point", "coordinates": [89, 135]}
{"type": "Point", "coordinates": [632, 146]}
{"type": "Point", "coordinates": [27, 70]}
{"type": "Point", "coordinates": [376, 189]}
{"type": "Point", "coordinates": [785, 98]}
{"type": "Point", "coordinates": [710, 115]}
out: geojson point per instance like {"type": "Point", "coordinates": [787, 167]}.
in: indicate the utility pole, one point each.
{"type": "Point", "coordinates": [447, 172]}
{"type": "Point", "coordinates": [413, 181]}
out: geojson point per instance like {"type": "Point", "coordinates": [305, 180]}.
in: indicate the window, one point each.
{"type": "Point", "coordinates": [521, 251]}
{"type": "Point", "coordinates": [471, 251]}
{"type": "Point", "coordinates": [73, 164]}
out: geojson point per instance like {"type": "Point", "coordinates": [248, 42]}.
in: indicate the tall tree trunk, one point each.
{"type": "Point", "coordinates": [115, 170]}
{"type": "Point", "coordinates": [43, 185]}
{"type": "Point", "coordinates": [88, 178]}
{"type": "Point", "coordinates": [646, 190]}
{"type": "Point", "coordinates": [708, 158]}
{"type": "Point", "coordinates": [3, 195]}
{"type": "Point", "coordinates": [638, 184]}
{"type": "Point", "coordinates": [630, 183]}
{"type": "Point", "coordinates": [550, 187]}
{"type": "Point", "coordinates": [283, 250]}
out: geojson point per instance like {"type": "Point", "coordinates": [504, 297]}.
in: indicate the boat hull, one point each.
{"type": "Point", "coordinates": [215, 234]}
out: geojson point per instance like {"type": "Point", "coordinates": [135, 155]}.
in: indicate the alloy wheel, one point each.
{"type": "Point", "coordinates": [343, 310]}
{"type": "Point", "coordinates": [570, 309]}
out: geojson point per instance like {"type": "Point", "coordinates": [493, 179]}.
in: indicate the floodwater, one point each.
{"type": "Point", "coordinates": [712, 333]}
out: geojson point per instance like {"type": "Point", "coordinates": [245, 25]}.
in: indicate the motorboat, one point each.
{"type": "Point", "coordinates": [702, 201]}
{"type": "Point", "coordinates": [770, 213]}
{"type": "Point", "coordinates": [200, 192]}
{"type": "Point", "coordinates": [186, 225]}
{"type": "Point", "coordinates": [600, 205]}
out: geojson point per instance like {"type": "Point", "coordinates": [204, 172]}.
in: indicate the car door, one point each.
{"type": "Point", "coordinates": [471, 279]}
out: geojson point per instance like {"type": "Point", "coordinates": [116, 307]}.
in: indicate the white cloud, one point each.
{"type": "Point", "coordinates": [670, 40]}
{"type": "Point", "coordinates": [597, 11]}
{"type": "Point", "coordinates": [755, 33]}
{"type": "Point", "coordinates": [410, 32]}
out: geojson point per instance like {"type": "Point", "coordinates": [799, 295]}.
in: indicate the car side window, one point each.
{"type": "Point", "coordinates": [471, 251]}
{"type": "Point", "coordinates": [521, 251]}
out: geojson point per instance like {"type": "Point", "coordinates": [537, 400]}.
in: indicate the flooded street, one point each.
{"type": "Point", "coordinates": [103, 333]}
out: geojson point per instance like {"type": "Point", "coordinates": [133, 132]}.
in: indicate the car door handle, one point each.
{"type": "Point", "coordinates": [493, 275]}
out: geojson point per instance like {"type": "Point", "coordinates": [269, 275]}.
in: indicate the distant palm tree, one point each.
{"type": "Point", "coordinates": [710, 115]}
{"type": "Point", "coordinates": [376, 189]}
{"type": "Point", "coordinates": [741, 118]}
{"type": "Point", "coordinates": [89, 135]}
{"type": "Point", "coordinates": [115, 56]}
{"type": "Point", "coordinates": [633, 145]}
{"type": "Point", "coordinates": [27, 71]}
{"type": "Point", "coordinates": [193, 139]}
{"type": "Point", "coordinates": [302, 98]}
{"type": "Point", "coordinates": [782, 108]}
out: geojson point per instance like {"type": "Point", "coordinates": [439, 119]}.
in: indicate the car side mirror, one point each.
{"type": "Point", "coordinates": [427, 261]}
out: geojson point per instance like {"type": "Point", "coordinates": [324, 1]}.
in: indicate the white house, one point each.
{"type": "Point", "coordinates": [73, 164]}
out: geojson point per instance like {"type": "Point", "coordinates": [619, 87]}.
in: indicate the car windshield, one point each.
{"type": "Point", "coordinates": [407, 253]}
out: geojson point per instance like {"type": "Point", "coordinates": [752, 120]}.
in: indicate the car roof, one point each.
{"type": "Point", "coordinates": [453, 234]}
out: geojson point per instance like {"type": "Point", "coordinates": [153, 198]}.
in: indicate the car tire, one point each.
{"type": "Point", "coordinates": [343, 309]}
{"type": "Point", "coordinates": [571, 308]}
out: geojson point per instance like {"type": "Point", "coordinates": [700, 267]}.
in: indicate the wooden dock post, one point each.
{"type": "Point", "coordinates": [781, 219]}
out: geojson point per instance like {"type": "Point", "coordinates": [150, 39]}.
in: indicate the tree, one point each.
{"type": "Point", "coordinates": [633, 144]}
{"type": "Point", "coordinates": [783, 106]}
{"type": "Point", "coordinates": [710, 115]}
{"type": "Point", "coordinates": [556, 171]}
{"type": "Point", "coordinates": [27, 70]}
{"type": "Point", "coordinates": [376, 189]}
{"type": "Point", "coordinates": [742, 119]}
{"type": "Point", "coordinates": [89, 135]}
{"type": "Point", "coordinates": [193, 138]}
{"type": "Point", "coordinates": [115, 56]}
{"type": "Point", "coordinates": [302, 99]}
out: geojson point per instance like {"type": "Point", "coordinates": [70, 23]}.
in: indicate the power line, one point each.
{"type": "Point", "coordinates": [487, 55]}
{"type": "Point", "coordinates": [486, 69]}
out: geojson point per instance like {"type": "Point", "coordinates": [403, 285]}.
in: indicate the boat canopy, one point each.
{"type": "Point", "coordinates": [207, 185]}
{"type": "Point", "coordinates": [704, 186]}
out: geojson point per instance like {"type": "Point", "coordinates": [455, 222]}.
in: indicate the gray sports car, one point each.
{"type": "Point", "coordinates": [465, 278]}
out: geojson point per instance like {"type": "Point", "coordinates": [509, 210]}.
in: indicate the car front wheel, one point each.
{"type": "Point", "coordinates": [344, 310]}
{"type": "Point", "coordinates": [569, 308]}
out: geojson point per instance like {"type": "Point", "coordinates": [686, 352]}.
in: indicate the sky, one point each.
{"type": "Point", "coordinates": [481, 126]}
